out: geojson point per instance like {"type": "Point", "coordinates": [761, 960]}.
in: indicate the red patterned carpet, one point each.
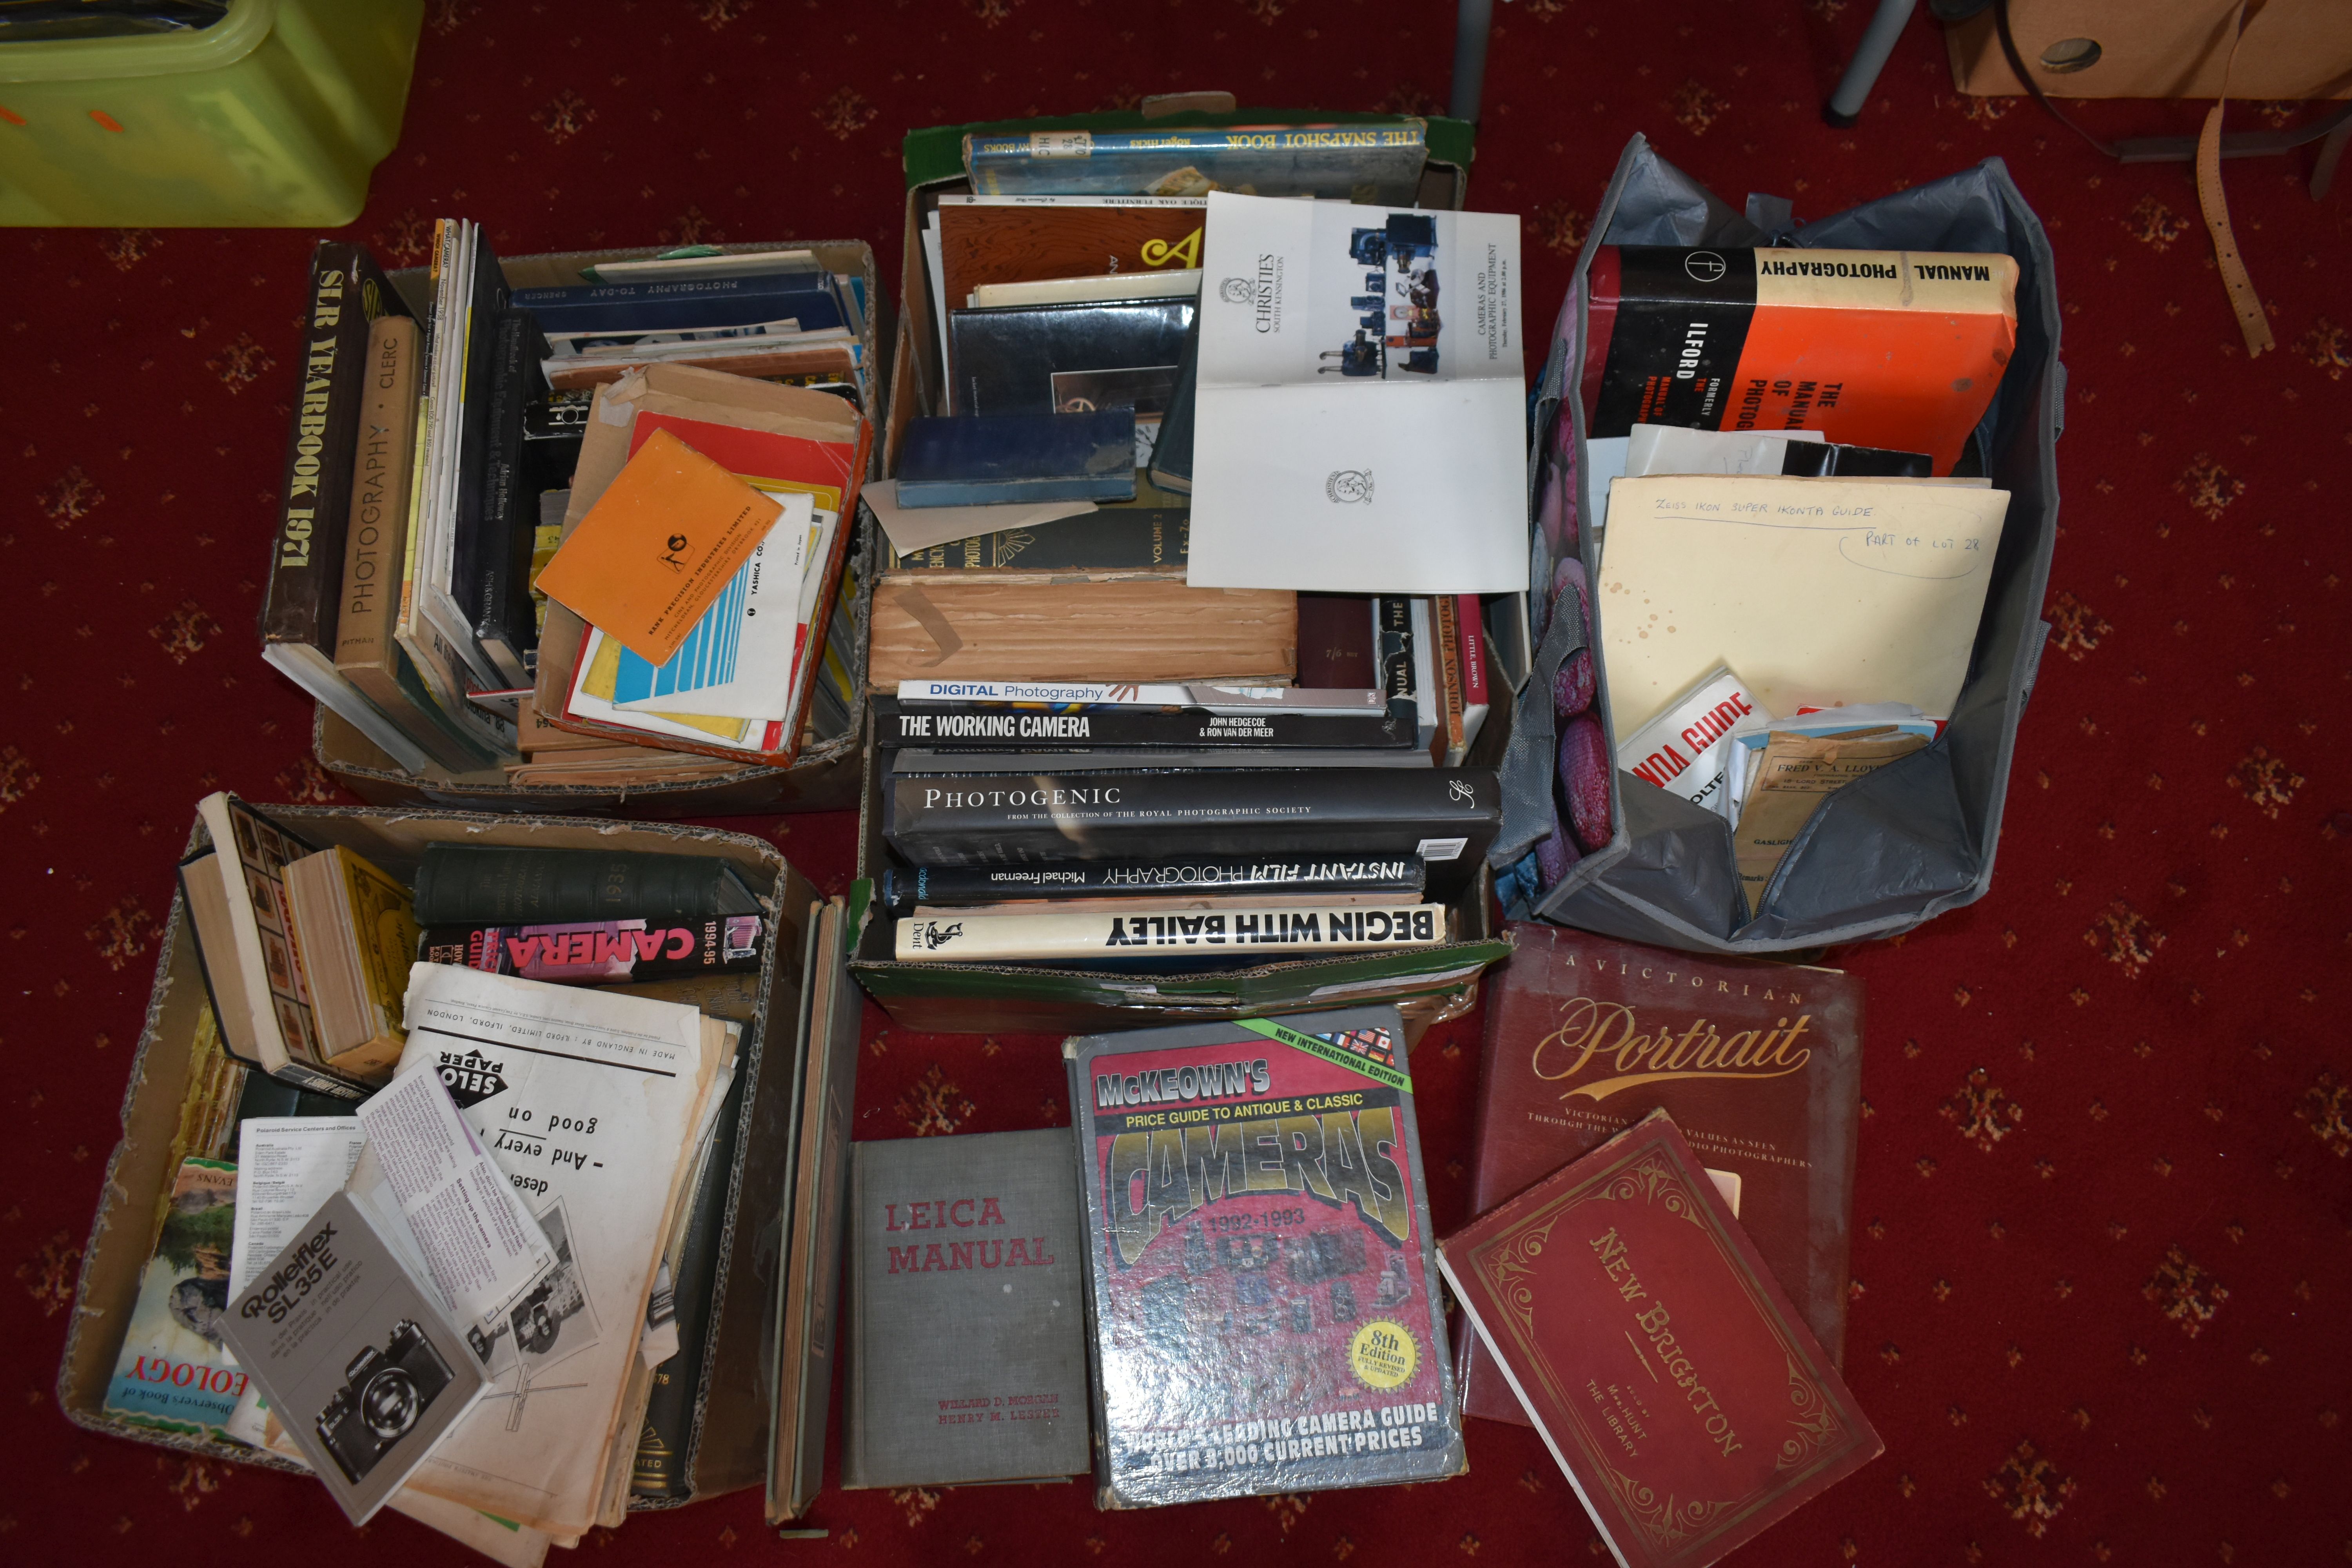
{"type": "Point", "coordinates": [2103, 1251]}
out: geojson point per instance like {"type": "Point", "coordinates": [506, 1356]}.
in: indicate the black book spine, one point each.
{"type": "Point", "coordinates": [305, 572]}
{"type": "Point", "coordinates": [503, 617]}
{"type": "Point", "coordinates": [1395, 655]}
{"type": "Point", "coordinates": [1176, 876]}
{"type": "Point", "coordinates": [460, 884]}
{"type": "Point", "coordinates": [971, 727]}
{"type": "Point", "coordinates": [1112, 540]}
{"type": "Point", "coordinates": [485, 301]}
{"type": "Point", "coordinates": [664, 1462]}
{"type": "Point", "coordinates": [1171, 454]}
{"type": "Point", "coordinates": [1448, 815]}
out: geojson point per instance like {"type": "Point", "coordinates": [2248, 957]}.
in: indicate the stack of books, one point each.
{"type": "Point", "coordinates": [1094, 750]}
{"type": "Point", "coordinates": [433, 463]}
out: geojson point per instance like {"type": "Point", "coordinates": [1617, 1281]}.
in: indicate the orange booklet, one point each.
{"type": "Point", "coordinates": [658, 547]}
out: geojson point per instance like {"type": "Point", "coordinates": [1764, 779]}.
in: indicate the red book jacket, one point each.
{"type": "Point", "coordinates": [1761, 1065]}
{"type": "Point", "coordinates": [1668, 1373]}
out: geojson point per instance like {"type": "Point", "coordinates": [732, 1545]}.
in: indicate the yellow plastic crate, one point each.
{"type": "Point", "coordinates": [275, 115]}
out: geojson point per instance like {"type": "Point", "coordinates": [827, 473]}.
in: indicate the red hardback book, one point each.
{"type": "Point", "coordinates": [1760, 1064]}
{"type": "Point", "coordinates": [1668, 1371]}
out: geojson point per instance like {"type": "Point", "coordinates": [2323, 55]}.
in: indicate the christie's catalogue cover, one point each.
{"type": "Point", "coordinates": [1259, 1260]}
{"type": "Point", "coordinates": [1761, 1065]}
{"type": "Point", "coordinates": [1666, 1372]}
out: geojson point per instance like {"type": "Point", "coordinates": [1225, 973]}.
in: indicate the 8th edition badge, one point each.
{"type": "Point", "coordinates": [1383, 1355]}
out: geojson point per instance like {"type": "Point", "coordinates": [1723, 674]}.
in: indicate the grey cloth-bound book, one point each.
{"type": "Point", "coordinates": [981, 1233]}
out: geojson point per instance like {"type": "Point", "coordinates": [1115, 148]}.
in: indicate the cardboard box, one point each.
{"type": "Point", "coordinates": [729, 1446]}
{"type": "Point", "coordinates": [1427, 984]}
{"type": "Point", "coordinates": [2128, 48]}
{"type": "Point", "coordinates": [824, 778]}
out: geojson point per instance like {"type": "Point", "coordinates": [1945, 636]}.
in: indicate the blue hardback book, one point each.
{"type": "Point", "coordinates": [682, 306]}
{"type": "Point", "coordinates": [973, 459]}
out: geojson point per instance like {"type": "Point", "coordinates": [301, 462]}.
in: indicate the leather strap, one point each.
{"type": "Point", "coordinates": [2253, 321]}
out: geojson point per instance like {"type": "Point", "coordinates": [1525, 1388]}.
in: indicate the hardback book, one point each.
{"type": "Point", "coordinates": [375, 537]}
{"type": "Point", "coordinates": [505, 621]}
{"type": "Point", "coordinates": [1761, 1065]}
{"type": "Point", "coordinates": [1149, 539]}
{"type": "Point", "coordinates": [1068, 359]}
{"type": "Point", "coordinates": [1361, 379]}
{"type": "Point", "coordinates": [174, 1374]}
{"type": "Point", "coordinates": [251, 953]}
{"type": "Point", "coordinates": [1171, 454]}
{"type": "Point", "coordinates": [1337, 644]}
{"type": "Point", "coordinates": [300, 616]}
{"type": "Point", "coordinates": [689, 265]}
{"type": "Point", "coordinates": [456, 883]}
{"type": "Point", "coordinates": [809, 1311]}
{"type": "Point", "coordinates": [1061, 759]}
{"type": "Point", "coordinates": [1181, 938]}
{"type": "Point", "coordinates": [1377, 161]}
{"type": "Point", "coordinates": [1446, 654]}
{"type": "Point", "coordinates": [903, 891]}
{"type": "Point", "coordinates": [603, 952]}
{"type": "Point", "coordinates": [352, 923]}
{"type": "Point", "coordinates": [665, 1442]}
{"type": "Point", "coordinates": [686, 304]}
{"type": "Point", "coordinates": [1890, 348]}
{"type": "Point", "coordinates": [978, 459]}
{"type": "Point", "coordinates": [982, 243]}
{"type": "Point", "coordinates": [1470, 624]}
{"type": "Point", "coordinates": [1138, 628]}
{"type": "Point", "coordinates": [469, 290]}
{"type": "Point", "coordinates": [432, 628]}
{"type": "Point", "coordinates": [1679, 1390]}
{"type": "Point", "coordinates": [1079, 724]}
{"type": "Point", "coordinates": [1446, 816]}
{"type": "Point", "coordinates": [1184, 282]}
{"type": "Point", "coordinates": [982, 1231]}
{"type": "Point", "coordinates": [1254, 1205]}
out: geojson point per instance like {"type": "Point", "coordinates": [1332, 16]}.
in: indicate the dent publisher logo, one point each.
{"type": "Point", "coordinates": [1234, 291]}
{"type": "Point", "coordinates": [1704, 266]}
{"type": "Point", "coordinates": [1346, 486]}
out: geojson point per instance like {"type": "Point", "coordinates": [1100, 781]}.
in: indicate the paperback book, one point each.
{"type": "Point", "coordinates": [1254, 1203]}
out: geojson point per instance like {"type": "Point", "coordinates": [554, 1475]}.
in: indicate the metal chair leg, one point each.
{"type": "Point", "coordinates": [1844, 106]}
{"type": "Point", "coordinates": [1473, 20]}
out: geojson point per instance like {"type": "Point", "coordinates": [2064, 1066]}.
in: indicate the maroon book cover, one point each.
{"type": "Point", "coordinates": [1667, 1371]}
{"type": "Point", "coordinates": [1761, 1065]}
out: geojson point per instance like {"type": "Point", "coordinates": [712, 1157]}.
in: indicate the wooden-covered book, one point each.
{"type": "Point", "coordinates": [1668, 1371]}
{"type": "Point", "coordinates": [1761, 1065]}
{"type": "Point", "coordinates": [1117, 626]}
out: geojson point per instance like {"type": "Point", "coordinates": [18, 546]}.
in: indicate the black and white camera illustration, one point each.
{"type": "Point", "coordinates": [384, 1391]}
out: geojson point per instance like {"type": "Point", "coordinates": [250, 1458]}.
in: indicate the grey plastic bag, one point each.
{"type": "Point", "coordinates": [1917, 837]}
